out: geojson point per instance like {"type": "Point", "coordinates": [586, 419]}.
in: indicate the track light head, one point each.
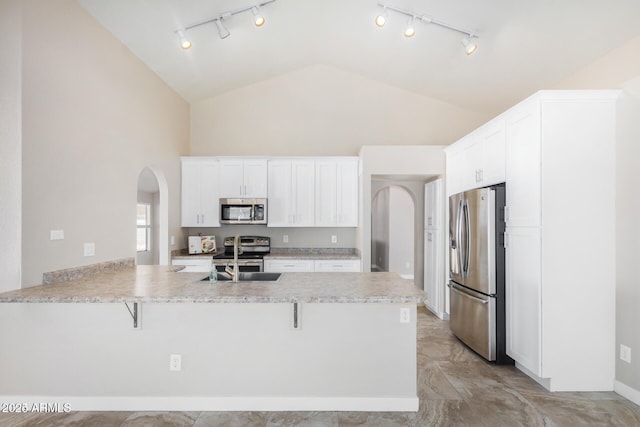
{"type": "Point", "coordinates": [410, 29]}
{"type": "Point", "coordinates": [185, 43]}
{"type": "Point", "coordinates": [258, 20]}
{"type": "Point", "coordinates": [469, 45]}
{"type": "Point", "coordinates": [382, 18]}
{"type": "Point", "coordinates": [222, 30]}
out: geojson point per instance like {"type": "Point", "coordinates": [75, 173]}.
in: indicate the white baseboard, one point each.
{"type": "Point", "coordinates": [627, 392]}
{"type": "Point", "coordinates": [441, 315]}
{"type": "Point", "coordinates": [195, 403]}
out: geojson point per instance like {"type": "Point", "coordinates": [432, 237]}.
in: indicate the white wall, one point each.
{"type": "Point", "coordinates": [380, 230]}
{"type": "Point", "coordinates": [10, 143]}
{"type": "Point", "coordinates": [94, 116]}
{"type": "Point", "coordinates": [401, 232]}
{"type": "Point", "coordinates": [320, 110]}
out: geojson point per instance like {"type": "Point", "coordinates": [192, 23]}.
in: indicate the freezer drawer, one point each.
{"type": "Point", "coordinates": [473, 320]}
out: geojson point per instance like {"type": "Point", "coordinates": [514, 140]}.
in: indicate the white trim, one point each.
{"type": "Point", "coordinates": [544, 382]}
{"type": "Point", "coordinates": [627, 392]}
{"type": "Point", "coordinates": [163, 215]}
{"type": "Point", "coordinates": [195, 403]}
{"type": "Point", "coordinates": [439, 314]}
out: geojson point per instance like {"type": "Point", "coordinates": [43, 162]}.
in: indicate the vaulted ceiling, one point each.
{"type": "Point", "coordinates": [524, 46]}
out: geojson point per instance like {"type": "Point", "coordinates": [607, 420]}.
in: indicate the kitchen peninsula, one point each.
{"type": "Point", "coordinates": [308, 341]}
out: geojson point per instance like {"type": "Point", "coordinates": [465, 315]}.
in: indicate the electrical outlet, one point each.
{"type": "Point", "coordinates": [285, 238]}
{"type": "Point", "coordinates": [89, 249]}
{"type": "Point", "coordinates": [56, 235]}
{"type": "Point", "coordinates": [405, 315]}
{"type": "Point", "coordinates": [625, 353]}
{"type": "Point", "coordinates": [334, 239]}
{"type": "Point", "coordinates": [175, 362]}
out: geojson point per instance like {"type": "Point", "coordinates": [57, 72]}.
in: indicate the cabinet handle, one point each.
{"type": "Point", "coordinates": [506, 214]}
{"type": "Point", "coordinates": [506, 240]}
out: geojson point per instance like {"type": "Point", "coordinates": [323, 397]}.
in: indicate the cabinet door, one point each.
{"type": "Point", "coordinates": [326, 200]}
{"type": "Point", "coordinates": [523, 166]}
{"type": "Point", "coordinates": [523, 297]}
{"type": "Point", "coordinates": [190, 214]}
{"type": "Point", "coordinates": [433, 204]}
{"type": "Point", "coordinates": [430, 269]}
{"type": "Point", "coordinates": [231, 178]}
{"type": "Point", "coordinates": [303, 192]}
{"type": "Point", "coordinates": [209, 198]}
{"type": "Point", "coordinates": [255, 178]}
{"type": "Point", "coordinates": [493, 140]}
{"type": "Point", "coordinates": [347, 193]}
{"type": "Point", "coordinates": [280, 208]}
{"type": "Point", "coordinates": [454, 173]}
{"type": "Point", "coordinates": [288, 266]}
{"type": "Point", "coordinates": [337, 265]}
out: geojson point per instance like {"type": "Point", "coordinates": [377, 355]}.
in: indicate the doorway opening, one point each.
{"type": "Point", "coordinates": [152, 218]}
{"type": "Point", "coordinates": [393, 231]}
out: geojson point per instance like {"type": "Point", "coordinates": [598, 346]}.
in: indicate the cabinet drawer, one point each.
{"type": "Point", "coordinates": [288, 266]}
{"type": "Point", "coordinates": [351, 265]}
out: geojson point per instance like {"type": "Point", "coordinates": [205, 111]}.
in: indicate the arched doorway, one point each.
{"type": "Point", "coordinates": [152, 221]}
{"type": "Point", "coordinates": [392, 231]}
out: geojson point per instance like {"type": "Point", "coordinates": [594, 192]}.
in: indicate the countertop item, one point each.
{"type": "Point", "coordinates": [163, 284]}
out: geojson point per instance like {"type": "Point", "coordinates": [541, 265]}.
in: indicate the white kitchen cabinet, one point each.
{"type": "Point", "coordinates": [433, 205]}
{"type": "Point", "coordinates": [337, 265]}
{"type": "Point", "coordinates": [560, 244]}
{"type": "Point", "coordinates": [195, 265]}
{"type": "Point", "coordinates": [478, 159]}
{"type": "Point", "coordinates": [523, 297]}
{"type": "Point", "coordinates": [200, 201]}
{"type": "Point", "coordinates": [433, 271]}
{"type": "Point", "coordinates": [291, 194]}
{"type": "Point", "coordinates": [289, 265]}
{"type": "Point", "coordinates": [243, 178]}
{"type": "Point", "coordinates": [336, 194]}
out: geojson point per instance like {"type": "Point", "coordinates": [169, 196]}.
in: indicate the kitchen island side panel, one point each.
{"type": "Point", "coordinates": [58, 352]}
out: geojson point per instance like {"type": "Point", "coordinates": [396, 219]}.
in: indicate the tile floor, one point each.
{"type": "Point", "coordinates": [455, 387]}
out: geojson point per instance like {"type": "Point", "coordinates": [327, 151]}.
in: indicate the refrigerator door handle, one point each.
{"type": "Point", "coordinates": [466, 295]}
{"type": "Point", "coordinates": [467, 237]}
{"type": "Point", "coordinates": [460, 246]}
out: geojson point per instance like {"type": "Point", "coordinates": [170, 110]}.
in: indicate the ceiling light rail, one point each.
{"type": "Point", "coordinates": [468, 41]}
{"type": "Point", "coordinates": [223, 32]}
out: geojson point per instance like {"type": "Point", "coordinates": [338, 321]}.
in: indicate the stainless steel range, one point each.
{"type": "Point", "coordinates": [250, 258]}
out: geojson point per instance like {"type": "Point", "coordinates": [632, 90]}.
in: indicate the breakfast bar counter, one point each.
{"type": "Point", "coordinates": [166, 284]}
{"type": "Point", "coordinates": [151, 338]}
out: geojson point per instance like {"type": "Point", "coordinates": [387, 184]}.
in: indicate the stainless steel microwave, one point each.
{"type": "Point", "coordinates": [243, 211]}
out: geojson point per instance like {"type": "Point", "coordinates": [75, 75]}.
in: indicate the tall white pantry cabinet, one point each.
{"type": "Point", "coordinates": [560, 238]}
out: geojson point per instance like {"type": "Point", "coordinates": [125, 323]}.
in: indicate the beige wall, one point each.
{"type": "Point", "coordinates": [10, 143]}
{"type": "Point", "coordinates": [320, 110]}
{"type": "Point", "coordinates": [93, 117]}
{"type": "Point", "coordinates": [621, 69]}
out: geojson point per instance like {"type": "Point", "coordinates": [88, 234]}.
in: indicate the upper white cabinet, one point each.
{"type": "Point", "coordinates": [560, 244]}
{"type": "Point", "coordinates": [336, 195]}
{"type": "Point", "coordinates": [291, 194]}
{"type": "Point", "coordinates": [200, 201]}
{"type": "Point", "coordinates": [478, 159]}
{"type": "Point", "coordinates": [243, 178]}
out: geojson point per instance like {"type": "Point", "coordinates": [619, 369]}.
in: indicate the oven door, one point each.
{"type": "Point", "coordinates": [243, 264]}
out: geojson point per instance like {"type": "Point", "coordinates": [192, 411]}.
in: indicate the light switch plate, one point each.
{"type": "Point", "coordinates": [625, 353]}
{"type": "Point", "coordinates": [334, 239]}
{"type": "Point", "coordinates": [89, 249]}
{"type": "Point", "coordinates": [56, 235]}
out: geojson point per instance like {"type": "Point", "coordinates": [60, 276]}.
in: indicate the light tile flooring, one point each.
{"type": "Point", "coordinates": [455, 387]}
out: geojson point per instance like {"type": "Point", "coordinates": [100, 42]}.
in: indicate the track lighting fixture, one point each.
{"type": "Point", "coordinates": [185, 43]}
{"type": "Point", "coordinates": [382, 18]}
{"type": "Point", "coordinates": [258, 20]}
{"type": "Point", "coordinates": [410, 30]}
{"type": "Point", "coordinates": [470, 46]}
{"type": "Point", "coordinates": [223, 32]}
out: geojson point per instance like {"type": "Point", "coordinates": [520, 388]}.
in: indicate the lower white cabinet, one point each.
{"type": "Point", "coordinates": [328, 265]}
{"type": "Point", "coordinates": [288, 266]}
{"type": "Point", "coordinates": [196, 265]}
{"type": "Point", "coordinates": [311, 265]}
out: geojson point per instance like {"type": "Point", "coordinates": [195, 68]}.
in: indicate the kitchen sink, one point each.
{"type": "Point", "coordinates": [248, 276]}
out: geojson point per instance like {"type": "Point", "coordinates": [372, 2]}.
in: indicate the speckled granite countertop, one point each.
{"type": "Point", "coordinates": [164, 284]}
{"type": "Point", "coordinates": [295, 253]}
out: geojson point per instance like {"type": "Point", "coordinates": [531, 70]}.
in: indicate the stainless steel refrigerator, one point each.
{"type": "Point", "coordinates": [477, 276]}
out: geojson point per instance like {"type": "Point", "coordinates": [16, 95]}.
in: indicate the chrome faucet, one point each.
{"type": "Point", "coordinates": [234, 273]}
